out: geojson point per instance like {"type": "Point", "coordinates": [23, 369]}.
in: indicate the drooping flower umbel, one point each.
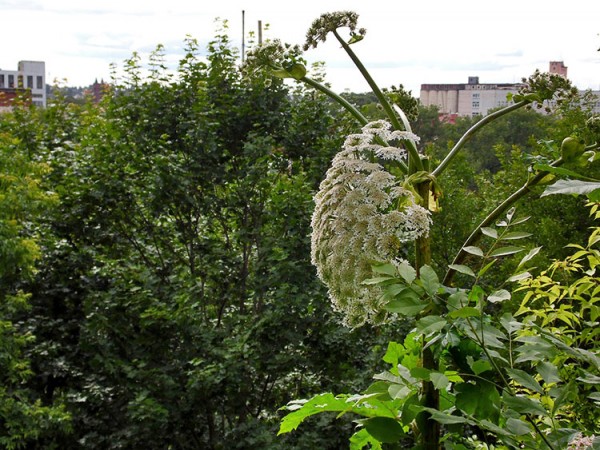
{"type": "Point", "coordinates": [363, 216]}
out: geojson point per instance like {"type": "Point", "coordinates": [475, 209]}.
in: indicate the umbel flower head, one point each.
{"type": "Point", "coordinates": [363, 216]}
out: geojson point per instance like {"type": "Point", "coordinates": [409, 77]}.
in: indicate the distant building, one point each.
{"type": "Point", "coordinates": [477, 99]}
{"type": "Point", "coordinates": [559, 68]}
{"type": "Point", "coordinates": [30, 77]}
{"type": "Point", "coordinates": [469, 99]}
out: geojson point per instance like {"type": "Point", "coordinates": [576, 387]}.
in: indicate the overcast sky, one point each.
{"type": "Point", "coordinates": [409, 43]}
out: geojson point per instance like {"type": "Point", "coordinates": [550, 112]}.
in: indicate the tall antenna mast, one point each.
{"type": "Point", "coordinates": [243, 35]}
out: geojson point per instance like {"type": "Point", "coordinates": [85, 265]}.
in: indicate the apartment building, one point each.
{"type": "Point", "coordinates": [468, 99]}
{"type": "Point", "coordinates": [29, 76]}
{"type": "Point", "coordinates": [477, 99]}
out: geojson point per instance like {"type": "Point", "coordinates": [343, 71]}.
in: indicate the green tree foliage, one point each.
{"type": "Point", "coordinates": [24, 416]}
{"type": "Point", "coordinates": [175, 305]}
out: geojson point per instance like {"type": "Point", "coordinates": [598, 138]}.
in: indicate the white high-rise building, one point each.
{"type": "Point", "coordinates": [31, 76]}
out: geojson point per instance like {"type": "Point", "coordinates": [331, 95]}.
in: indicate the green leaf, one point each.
{"type": "Point", "coordinates": [505, 251]}
{"type": "Point", "coordinates": [499, 296]}
{"type": "Point", "coordinates": [571, 187]}
{"type": "Point", "coordinates": [303, 409]}
{"type": "Point", "coordinates": [362, 439]}
{"type": "Point", "coordinates": [559, 171]}
{"type": "Point", "coordinates": [430, 324]}
{"type": "Point", "coordinates": [529, 256]}
{"type": "Point", "coordinates": [525, 380]}
{"type": "Point", "coordinates": [473, 250]}
{"type": "Point", "coordinates": [457, 300]}
{"type": "Point", "coordinates": [376, 280]}
{"type": "Point", "coordinates": [479, 366]}
{"type": "Point", "coordinates": [467, 311]}
{"type": "Point", "coordinates": [407, 272]}
{"type": "Point", "coordinates": [524, 405]}
{"type": "Point", "coordinates": [518, 427]}
{"type": "Point", "coordinates": [514, 235]}
{"type": "Point", "coordinates": [384, 269]}
{"type": "Point", "coordinates": [421, 373]}
{"type": "Point", "coordinates": [430, 280]}
{"type": "Point", "coordinates": [407, 303]}
{"type": "Point", "coordinates": [384, 429]}
{"type": "Point", "coordinates": [462, 269]}
{"type": "Point", "coordinates": [566, 394]}
{"type": "Point", "coordinates": [480, 399]}
{"type": "Point", "coordinates": [519, 277]}
{"type": "Point", "coordinates": [485, 268]}
{"type": "Point", "coordinates": [491, 232]}
{"type": "Point", "coordinates": [439, 380]}
{"type": "Point", "coordinates": [548, 371]}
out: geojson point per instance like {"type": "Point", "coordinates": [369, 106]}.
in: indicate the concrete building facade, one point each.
{"type": "Point", "coordinates": [29, 76]}
{"type": "Point", "coordinates": [469, 99]}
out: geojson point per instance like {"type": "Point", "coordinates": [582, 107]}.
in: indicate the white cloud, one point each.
{"type": "Point", "coordinates": [409, 43]}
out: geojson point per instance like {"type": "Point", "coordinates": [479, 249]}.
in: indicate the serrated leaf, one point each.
{"type": "Point", "coordinates": [406, 303]}
{"type": "Point", "coordinates": [525, 380]}
{"type": "Point", "coordinates": [524, 405]}
{"type": "Point", "coordinates": [548, 372]}
{"type": "Point", "coordinates": [407, 272]}
{"type": "Point", "coordinates": [491, 232]}
{"type": "Point", "coordinates": [460, 268]}
{"type": "Point", "coordinates": [505, 251]}
{"type": "Point", "coordinates": [430, 280]}
{"type": "Point", "coordinates": [473, 250]}
{"type": "Point", "coordinates": [518, 427]}
{"type": "Point", "coordinates": [430, 324]}
{"type": "Point", "coordinates": [362, 439]}
{"type": "Point", "coordinates": [499, 296]}
{"type": "Point", "coordinates": [317, 404]}
{"type": "Point", "coordinates": [385, 269]}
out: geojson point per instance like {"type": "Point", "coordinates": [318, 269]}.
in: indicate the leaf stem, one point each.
{"type": "Point", "coordinates": [500, 209]}
{"type": "Point", "coordinates": [471, 131]}
{"type": "Point", "coordinates": [414, 157]}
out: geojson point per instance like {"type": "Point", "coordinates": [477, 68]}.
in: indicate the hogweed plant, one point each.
{"type": "Point", "coordinates": [472, 373]}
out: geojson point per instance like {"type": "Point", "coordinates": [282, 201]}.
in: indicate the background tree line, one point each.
{"type": "Point", "coordinates": [156, 288]}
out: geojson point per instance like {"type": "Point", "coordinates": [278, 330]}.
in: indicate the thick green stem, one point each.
{"type": "Point", "coordinates": [389, 111]}
{"type": "Point", "coordinates": [471, 131]}
{"type": "Point", "coordinates": [500, 209]}
{"type": "Point", "coordinates": [346, 105]}
{"type": "Point", "coordinates": [430, 434]}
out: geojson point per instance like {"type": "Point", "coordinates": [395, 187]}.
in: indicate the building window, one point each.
{"type": "Point", "coordinates": [20, 81]}
{"type": "Point", "coordinates": [476, 104]}
{"type": "Point", "coordinates": [11, 81]}
{"type": "Point", "coordinates": [30, 81]}
{"type": "Point", "coordinates": [476, 95]}
{"type": "Point", "coordinates": [40, 82]}
{"type": "Point", "coordinates": [1, 80]}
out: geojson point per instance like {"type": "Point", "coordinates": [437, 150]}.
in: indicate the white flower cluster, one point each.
{"type": "Point", "coordinates": [363, 216]}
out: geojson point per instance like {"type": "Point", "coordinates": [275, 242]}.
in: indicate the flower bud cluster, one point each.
{"type": "Point", "coordinates": [330, 22]}
{"type": "Point", "coordinates": [363, 216]}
